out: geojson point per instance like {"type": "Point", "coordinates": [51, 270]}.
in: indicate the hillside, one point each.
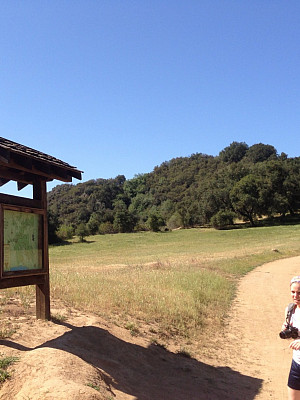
{"type": "Point", "coordinates": [241, 182]}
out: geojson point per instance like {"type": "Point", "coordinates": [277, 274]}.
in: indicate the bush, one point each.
{"type": "Point", "coordinates": [93, 223]}
{"type": "Point", "coordinates": [175, 221]}
{"type": "Point", "coordinates": [82, 231]}
{"type": "Point", "coordinates": [106, 227]}
{"type": "Point", "coordinates": [155, 222]}
{"type": "Point", "coordinates": [53, 225]}
{"type": "Point", "coordinates": [222, 219]}
{"type": "Point", "coordinates": [141, 226]}
{"type": "Point", "coordinates": [65, 232]}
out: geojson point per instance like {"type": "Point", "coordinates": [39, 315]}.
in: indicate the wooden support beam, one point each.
{"type": "Point", "coordinates": [18, 176]}
{"type": "Point", "coordinates": [18, 158]}
{"type": "Point", "coordinates": [16, 171]}
{"type": "Point", "coordinates": [43, 299]}
{"type": "Point", "coordinates": [43, 290]}
{"type": "Point", "coordinates": [21, 185]}
{"type": "Point", "coordinates": [76, 174]}
{"type": "Point", "coordinates": [19, 201]}
{"type": "Point", "coordinates": [43, 167]}
{"type": "Point", "coordinates": [23, 161]}
{"type": "Point", "coordinates": [3, 181]}
{"type": "Point", "coordinates": [14, 281]}
{"type": "Point", "coordinates": [4, 155]}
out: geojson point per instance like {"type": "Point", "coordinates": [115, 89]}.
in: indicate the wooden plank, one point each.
{"type": "Point", "coordinates": [1, 242]}
{"type": "Point", "coordinates": [19, 201]}
{"type": "Point", "coordinates": [3, 181]}
{"type": "Point", "coordinates": [13, 174]}
{"type": "Point", "coordinates": [76, 174]}
{"type": "Point", "coordinates": [53, 173]}
{"type": "Point", "coordinates": [27, 173]}
{"type": "Point", "coordinates": [4, 155]}
{"type": "Point", "coordinates": [46, 168]}
{"type": "Point", "coordinates": [21, 158]}
{"type": "Point", "coordinates": [17, 281]}
{"type": "Point", "coordinates": [21, 185]}
{"type": "Point", "coordinates": [19, 170]}
{"type": "Point", "coordinates": [43, 290]}
{"type": "Point", "coordinates": [43, 299]}
{"type": "Point", "coordinates": [23, 161]}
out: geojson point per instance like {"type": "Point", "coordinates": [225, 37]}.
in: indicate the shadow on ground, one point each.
{"type": "Point", "coordinates": [153, 372]}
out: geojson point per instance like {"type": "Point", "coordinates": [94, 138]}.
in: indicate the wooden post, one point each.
{"type": "Point", "coordinates": [43, 300]}
{"type": "Point", "coordinates": [43, 290]}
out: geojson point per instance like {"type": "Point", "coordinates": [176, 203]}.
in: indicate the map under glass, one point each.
{"type": "Point", "coordinates": [21, 241]}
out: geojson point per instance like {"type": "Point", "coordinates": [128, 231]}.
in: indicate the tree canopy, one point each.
{"type": "Point", "coordinates": [241, 182]}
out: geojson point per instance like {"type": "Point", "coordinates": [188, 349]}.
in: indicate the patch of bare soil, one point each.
{"type": "Point", "coordinates": [88, 358]}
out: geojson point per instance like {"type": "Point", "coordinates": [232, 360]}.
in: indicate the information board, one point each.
{"type": "Point", "coordinates": [22, 241]}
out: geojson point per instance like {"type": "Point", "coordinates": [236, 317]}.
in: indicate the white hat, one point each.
{"type": "Point", "coordinates": [295, 279]}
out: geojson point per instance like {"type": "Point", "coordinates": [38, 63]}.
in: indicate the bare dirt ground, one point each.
{"type": "Point", "coordinates": [86, 358]}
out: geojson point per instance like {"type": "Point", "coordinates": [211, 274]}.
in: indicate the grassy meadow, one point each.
{"type": "Point", "coordinates": [178, 283]}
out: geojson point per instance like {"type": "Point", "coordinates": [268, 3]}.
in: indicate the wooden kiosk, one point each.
{"type": "Point", "coordinates": [23, 221]}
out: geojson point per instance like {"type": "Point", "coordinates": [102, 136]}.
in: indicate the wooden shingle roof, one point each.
{"type": "Point", "coordinates": [24, 164]}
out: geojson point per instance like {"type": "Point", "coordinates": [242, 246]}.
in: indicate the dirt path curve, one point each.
{"type": "Point", "coordinates": [252, 344]}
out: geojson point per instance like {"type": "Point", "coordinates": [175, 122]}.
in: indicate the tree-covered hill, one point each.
{"type": "Point", "coordinates": [241, 182]}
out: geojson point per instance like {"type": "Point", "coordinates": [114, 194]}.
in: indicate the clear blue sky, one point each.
{"type": "Point", "coordinates": [118, 87]}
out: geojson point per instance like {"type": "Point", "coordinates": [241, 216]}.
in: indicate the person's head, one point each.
{"type": "Point", "coordinates": [295, 290]}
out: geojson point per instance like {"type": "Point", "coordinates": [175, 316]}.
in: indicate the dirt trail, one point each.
{"type": "Point", "coordinates": [88, 358]}
{"type": "Point", "coordinates": [252, 344]}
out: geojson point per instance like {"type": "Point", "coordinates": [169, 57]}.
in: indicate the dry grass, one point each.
{"type": "Point", "coordinates": [178, 283]}
{"type": "Point", "coordinates": [182, 281]}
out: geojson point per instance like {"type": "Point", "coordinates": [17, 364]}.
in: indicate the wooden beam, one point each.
{"type": "Point", "coordinates": [18, 170]}
{"type": "Point", "coordinates": [10, 282]}
{"type": "Point", "coordinates": [64, 176]}
{"type": "Point", "coordinates": [4, 155]}
{"type": "Point", "coordinates": [76, 174]}
{"type": "Point", "coordinates": [23, 161]}
{"type": "Point", "coordinates": [43, 299]}
{"type": "Point", "coordinates": [15, 175]}
{"type": "Point", "coordinates": [43, 290]}
{"type": "Point", "coordinates": [21, 185]}
{"type": "Point", "coordinates": [3, 181]}
{"type": "Point", "coordinates": [21, 158]}
{"type": "Point", "coordinates": [19, 201]}
{"type": "Point", "coordinates": [40, 166]}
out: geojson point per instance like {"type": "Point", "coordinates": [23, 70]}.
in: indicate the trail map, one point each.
{"type": "Point", "coordinates": [21, 241]}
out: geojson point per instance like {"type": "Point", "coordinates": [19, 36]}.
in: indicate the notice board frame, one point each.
{"type": "Point", "coordinates": [39, 230]}
{"type": "Point", "coordinates": [39, 278]}
{"type": "Point", "coordinates": [27, 166]}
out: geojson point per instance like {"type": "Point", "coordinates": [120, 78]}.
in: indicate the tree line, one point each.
{"type": "Point", "coordinates": [244, 182]}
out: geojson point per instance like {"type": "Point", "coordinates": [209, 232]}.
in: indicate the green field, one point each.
{"type": "Point", "coordinates": [178, 283]}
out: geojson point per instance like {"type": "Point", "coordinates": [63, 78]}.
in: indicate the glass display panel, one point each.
{"type": "Point", "coordinates": [22, 241]}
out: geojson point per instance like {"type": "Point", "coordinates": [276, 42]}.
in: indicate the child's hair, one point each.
{"type": "Point", "coordinates": [295, 279]}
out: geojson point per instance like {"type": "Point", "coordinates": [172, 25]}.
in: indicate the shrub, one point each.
{"type": "Point", "coordinates": [222, 219]}
{"type": "Point", "coordinates": [155, 222]}
{"type": "Point", "coordinates": [82, 231]}
{"type": "Point", "coordinates": [175, 221]}
{"type": "Point", "coordinates": [106, 228]}
{"type": "Point", "coordinates": [65, 232]}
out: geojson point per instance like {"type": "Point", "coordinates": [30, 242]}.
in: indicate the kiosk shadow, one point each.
{"type": "Point", "coordinates": [151, 373]}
